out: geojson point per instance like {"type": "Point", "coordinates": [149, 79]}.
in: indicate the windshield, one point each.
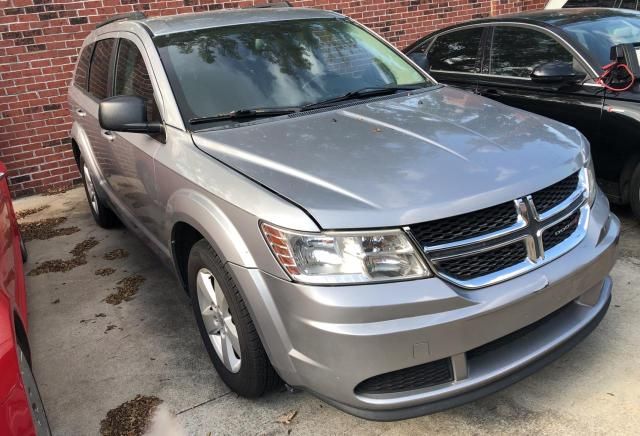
{"type": "Point", "coordinates": [600, 33]}
{"type": "Point", "coordinates": [276, 64]}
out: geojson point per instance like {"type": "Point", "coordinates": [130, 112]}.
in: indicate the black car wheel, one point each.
{"type": "Point", "coordinates": [634, 192]}
{"type": "Point", "coordinates": [102, 214]}
{"type": "Point", "coordinates": [225, 325]}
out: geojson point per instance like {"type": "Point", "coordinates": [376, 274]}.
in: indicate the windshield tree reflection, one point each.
{"type": "Point", "coordinates": [278, 64]}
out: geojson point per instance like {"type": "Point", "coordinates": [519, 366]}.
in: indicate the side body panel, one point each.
{"type": "Point", "coordinates": [15, 415]}
{"type": "Point", "coordinates": [579, 106]}
{"type": "Point", "coordinates": [619, 152]}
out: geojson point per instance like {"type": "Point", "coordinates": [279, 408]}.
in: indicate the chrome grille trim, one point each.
{"type": "Point", "coordinates": [529, 228]}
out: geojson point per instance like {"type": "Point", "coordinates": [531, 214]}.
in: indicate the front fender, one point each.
{"type": "Point", "coordinates": [193, 208]}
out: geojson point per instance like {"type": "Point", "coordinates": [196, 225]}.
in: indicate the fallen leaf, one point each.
{"type": "Point", "coordinates": [287, 417]}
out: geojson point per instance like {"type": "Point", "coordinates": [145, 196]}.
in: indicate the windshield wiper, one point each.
{"type": "Point", "coordinates": [369, 91]}
{"type": "Point", "coordinates": [245, 114]}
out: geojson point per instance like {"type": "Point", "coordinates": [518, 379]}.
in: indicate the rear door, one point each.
{"type": "Point", "coordinates": [514, 51]}
{"type": "Point", "coordinates": [454, 57]}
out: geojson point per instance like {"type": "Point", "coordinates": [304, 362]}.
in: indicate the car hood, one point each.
{"type": "Point", "coordinates": [402, 160]}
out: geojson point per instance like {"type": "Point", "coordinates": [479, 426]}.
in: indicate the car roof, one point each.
{"type": "Point", "coordinates": [561, 17]}
{"type": "Point", "coordinates": [230, 17]}
{"type": "Point", "coordinates": [544, 17]}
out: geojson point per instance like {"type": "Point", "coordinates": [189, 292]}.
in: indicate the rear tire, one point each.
{"type": "Point", "coordinates": [102, 214]}
{"type": "Point", "coordinates": [225, 325]}
{"type": "Point", "coordinates": [634, 192]}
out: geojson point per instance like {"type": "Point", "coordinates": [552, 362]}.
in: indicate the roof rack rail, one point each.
{"type": "Point", "coordinates": [284, 4]}
{"type": "Point", "coordinates": [129, 16]}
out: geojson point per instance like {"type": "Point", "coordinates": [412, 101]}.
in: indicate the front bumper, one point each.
{"type": "Point", "coordinates": [329, 339]}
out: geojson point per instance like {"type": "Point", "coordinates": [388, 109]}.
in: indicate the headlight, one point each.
{"type": "Point", "coordinates": [345, 257]}
{"type": "Point", "coordinates": [590, 182]}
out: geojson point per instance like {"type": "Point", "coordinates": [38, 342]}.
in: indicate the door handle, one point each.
{"type": "Point", "coordinates": [108, 135]}
{"type": "Point", "coordinates": [491, 92]}
{"type": "Point", "coordinates": [81, 113]}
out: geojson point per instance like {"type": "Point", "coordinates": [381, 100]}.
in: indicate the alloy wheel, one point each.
{"type": "Point", "coordinates": [91, 190]}
{"type": "Point", "coordinates": [218, 320]}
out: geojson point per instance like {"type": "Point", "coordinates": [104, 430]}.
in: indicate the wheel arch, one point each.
{"type": "Point", "coordinates": [625, 176]}
{"type": "Point", "coordinates": [193, 215]}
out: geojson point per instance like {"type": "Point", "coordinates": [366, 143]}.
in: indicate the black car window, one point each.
{"type": "Point", "coordinates": [456, 51]}
{"type": "Point", "coordinates": [99, 72]}
{"type": "Point", "coordinates": [132, 77]}
{"type": "Point", "coordinates": [596, 35]}
{"type": "Point", "coordinates": [516, 51]}
{"type": "Point", "coordinates": [629, 4]}
{"type": "Point", "coordinates": [82, 69]}
{"type": "Point", "coordinates": [590, 4]}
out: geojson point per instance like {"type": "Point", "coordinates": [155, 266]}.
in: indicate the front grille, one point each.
{"type": "Point", "coordinates": [561, 231]}
{"type": "Point", "coordinates": [547, 198]}
{"type": "Point", "coordinates": [470, 267]}
{"type": "Point", "coordinates": [505, 235]}
{"type": "Point", "coordinates": [466, 226]}
{"type": "Point", "coordinates": [415, 377]}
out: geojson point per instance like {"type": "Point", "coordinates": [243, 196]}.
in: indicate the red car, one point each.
{"type": "Point", "coordinates": [21, 409]}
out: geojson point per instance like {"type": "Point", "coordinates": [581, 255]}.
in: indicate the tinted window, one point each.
{"type": "Point", "coordinates": [629, 4]}
{"type": "Point", "coordinates": [82, 69]}
{"type": "Point", "coordinates": [456, 51]}
{"type": "Point", "coordinates": [517, 51]}
{"type": "Point", "coordinates": [276, 64]}
{"type": "Point", "coordinates": [132, 77]}
{"type": "Point", "coordinates": [99, 72]}
{"type": "Point", "coordinates": [590, 4]}
{"type": "Point", "coordinates": [598, 34]}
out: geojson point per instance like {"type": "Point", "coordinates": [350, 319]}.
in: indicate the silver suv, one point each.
{"type": "Point", "coordinates": [340, 220]}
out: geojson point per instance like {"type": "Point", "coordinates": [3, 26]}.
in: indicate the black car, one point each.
{"type": "Point", "coordinates": [550, 62]}
{"type": "Point", "coordinates": [623, 4]}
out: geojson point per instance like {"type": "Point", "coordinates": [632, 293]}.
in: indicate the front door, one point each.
{"type": "Point", "coordinates": [514, 52]}
{"type": "Point", "coordinates": [133, 177]}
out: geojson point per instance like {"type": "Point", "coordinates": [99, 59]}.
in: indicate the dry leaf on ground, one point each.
{"type": "Point", "coordinates": [45, 229]}
{"type": "Point", "coordinates": [287, 417]}
{"type": "Point", "coordinates": [131, 418]}
{"type": "Point", "coordinates": [127, 288]}
{"type": "Point", "coordinates": [31, 211]}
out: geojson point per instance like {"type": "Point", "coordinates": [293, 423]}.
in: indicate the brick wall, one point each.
{"type": "Point", "coordinates": [40, 41]}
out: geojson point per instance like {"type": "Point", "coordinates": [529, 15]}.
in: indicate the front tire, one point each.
{"type": "Point", "coordinates": [102, 214]}
{"type": "Point", "coordinates": [225, 325]}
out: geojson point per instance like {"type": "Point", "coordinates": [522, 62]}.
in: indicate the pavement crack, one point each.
{"type": "Point", "coordinates": [203, 403]}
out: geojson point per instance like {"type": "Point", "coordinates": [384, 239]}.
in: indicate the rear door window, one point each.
{"type": "Point", "coordinates": [81, 77]}
{"type": "Point", "coordinates": [99, 73]}
{"type": "Point", "coordinates": [457, 51]}
{"type": "Point", "coordinates": [516, 51]}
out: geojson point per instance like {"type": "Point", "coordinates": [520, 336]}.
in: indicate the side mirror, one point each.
{"type": "Point", "coordinates": [627, 54]}
{"type": "Point", "coordinates": [556, 73]}
{"type": "Point", "coordinates": [126, 113]}
{"type": "Point", "coordinates": [420, 59]}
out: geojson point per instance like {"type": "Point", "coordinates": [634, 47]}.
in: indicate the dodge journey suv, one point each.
{"type": "Point", "coordinates": [341, 222]}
